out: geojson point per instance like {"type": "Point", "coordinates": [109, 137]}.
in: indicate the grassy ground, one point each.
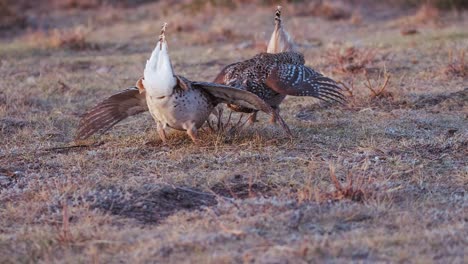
{"type": "Point", "coordinates": [382, 179]}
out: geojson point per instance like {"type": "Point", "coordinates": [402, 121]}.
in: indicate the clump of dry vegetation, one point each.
{"type": "Point", "coordinates": [216, 35]}
{"type": "Point", "coordinates": [325, 9]}
{"type": "Point", "coordinates": [73, 39]}
{"type": "Point", "coordinates": [379, 90]}
{"type": "Point", "coordinates": [427, 13]}
{"type": "Point", "coordinates": [457, 65]}
{"type": "Point", "coordinates": [367, 90]}
{"type": "Point", "coordinates": [10, 18]}
{"type": "Point", "coordinates": [80, 4]}
{"type": "Point", "coordinates": [357, 189]}
{"type": "Point", "coordinates": [441, 4]}
{"type": "Point", "coordinates": [350, 60]}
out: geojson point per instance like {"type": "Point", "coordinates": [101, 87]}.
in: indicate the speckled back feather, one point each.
{"type": "Point", "coordinates": [273, 76]}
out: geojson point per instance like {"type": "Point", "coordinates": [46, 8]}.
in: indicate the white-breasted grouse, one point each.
{"type": "Point", "coordinates": [172, 100]}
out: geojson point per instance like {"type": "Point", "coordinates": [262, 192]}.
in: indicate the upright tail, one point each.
{"type": "Point", "coordinates": [280, 40]}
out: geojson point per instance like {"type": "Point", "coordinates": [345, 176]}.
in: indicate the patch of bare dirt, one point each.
{"type": "Point", "coordinates": [10, 125]}
{"type": "Point", "coordinates": [241, 187]}
{"type": "Point", "coordinates": [150, 204]}
{"type": "Point", "coordinates": [446, 101]}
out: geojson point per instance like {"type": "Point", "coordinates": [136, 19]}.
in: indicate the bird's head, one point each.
{"type": "Point", "coordinates": [159, 79]}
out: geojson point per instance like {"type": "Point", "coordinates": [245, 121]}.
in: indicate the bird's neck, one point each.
{"type": "Point", "coordinates": [159, 76]}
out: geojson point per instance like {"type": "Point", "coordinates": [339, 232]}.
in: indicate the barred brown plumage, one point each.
{"type": "Point", "coordinates": [273, 76]}
{"type": "Point", "coordinates": [112, 110]}
{"type": "Point", "coordinates": [243, 85]}
{"type": "Point", "coordinates": [280, 72]}
{"type": "Point", "coordinates": [172, 100]}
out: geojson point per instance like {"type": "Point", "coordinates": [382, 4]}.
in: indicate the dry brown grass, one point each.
{"type": "Point", "coordinates": [9, 17]}
{"type": "Point", "coordinates": [427, 13]}
{"type": "Point", "coordinates": [73, 39]}
{"type": "Point", "coordinates": [457, 65]}
{"type": "Point", "coordinates": [350, 59]}
{"type": "Point", "coordinates": [394, 192]}
{"type": "Point", "coordinates": [330, 10]}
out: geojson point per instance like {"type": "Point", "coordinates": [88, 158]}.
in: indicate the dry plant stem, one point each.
{"type": "Point", "coordinates": [348, 89]}
{"type": "Point", "coordinates": [65, 234]}
{"type": "Point", "coordinates": [377, 92]}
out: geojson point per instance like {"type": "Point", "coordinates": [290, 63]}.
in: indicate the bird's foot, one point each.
{"type": "Point", "coordinates": [193, 134]}
{"type": "Point", "coordinates": [253, 118]}
{"type": "Point", "coordinates": [279, 120]}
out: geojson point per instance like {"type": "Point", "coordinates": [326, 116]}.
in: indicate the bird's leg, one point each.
{"type": "Point", "coordinates": [161, 132]}
{"type": "Point", "coordinates": [274, 117]}
{"type": "Point", "coordinates": [193, 133]}
{"type": "Point", "coordinates": [279, 120]}
{"type": "Point", "coordinates": [253, 117]}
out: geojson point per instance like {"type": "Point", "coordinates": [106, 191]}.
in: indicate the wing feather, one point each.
{"type": "Point", "coordinates": [109, 112]}
{"type": "Point", "coordinates": [231, 95]}
{"type": "Point", "coordinates": [299, 80]}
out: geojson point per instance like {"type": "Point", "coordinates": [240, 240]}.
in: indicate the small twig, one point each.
{"type": "Point", "coordinates": [382, 88]}
{"type": "Point", "coordinates": [74, 146]}
{"type": "Point", "coordinates": [335, 180]}
{"type": "Point", "coordinates": [369, 86]}
{"type": "Point", "coordinates": [378, 92]}
{"type": "Point", "coordinates": [65, 235]}
{"type": "Point", "coordinates": [348, 89]}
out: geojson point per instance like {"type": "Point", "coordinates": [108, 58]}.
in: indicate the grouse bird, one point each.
{"type": "Point", "coordinates": [278, 73]}
{"type": "Point", "coordinates": [172, 100]}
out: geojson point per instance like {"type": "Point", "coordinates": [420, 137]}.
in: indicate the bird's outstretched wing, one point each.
{"type": "Point", "coordinates": [300, 80]}
{"type": "Point", "coordinates": [112, 110]}
{"type": "Point", "coordinates": [231, 95]}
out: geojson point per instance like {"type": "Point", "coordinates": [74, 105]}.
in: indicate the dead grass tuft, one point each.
{"type": "Point", "coordinates": [73, 39]}
{"type": "Point", "coordinates": [378, 90]}
{"type": "Point", "coordinates": [78, 4]}
{"type": "Point", "coordinates": [353, 190]}
{"type": "Point", "coordinates": [240, 187]}
{"type": "Point", "coordinates": [9, 17]}
{"type": "Point", "coordinates": [364, 90]}
{"type": "Point", "coordinates": [350, 60]}
{"type": "Point", "coordinates": [324, 9]}
{"type": "Point", "coordinates": [457, 65]}
{"type": "Point", "coordinates": [426, 14]}
{"type": "Point", "coordinates": [65, 236]}
{"type": "Point", "coordinates": [440, 4]}
{"type": "Point", "coordinates": [218, 34]}
{"type": "Point", "coordinates": [409, 31]}
{"type": "Point", "coordinates": [356, 189]}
